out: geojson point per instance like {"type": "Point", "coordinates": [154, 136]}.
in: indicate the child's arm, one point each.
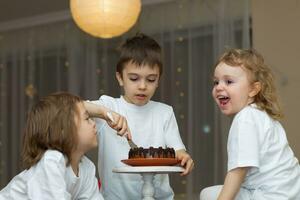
{"type": "Point", "coordinates": [232, 184]}
{"type": "Point", "coordinates": [119, 123]}
{"type": "Point", "coordinates": [95, 110]}
{"type": "Point", "coordinates": [185, 160]}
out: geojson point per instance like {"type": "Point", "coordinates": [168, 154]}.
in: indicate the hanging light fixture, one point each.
{"type": "Point", "coordinates": [105, 18]}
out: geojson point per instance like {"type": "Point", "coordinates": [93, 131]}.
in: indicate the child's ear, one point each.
{"type": "Point", "coordinates": [256, 88]}
{"type": "Point", "coordinates": [119, 78]}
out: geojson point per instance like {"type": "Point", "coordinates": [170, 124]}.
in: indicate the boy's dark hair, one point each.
{"type": "Point", "coordinates": [141, 50]}
{"type": "Point", "coordinates": [51, 125]}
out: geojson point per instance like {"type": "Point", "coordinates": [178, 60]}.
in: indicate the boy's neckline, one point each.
{"type": "Point", "coordinates": [133, 106]}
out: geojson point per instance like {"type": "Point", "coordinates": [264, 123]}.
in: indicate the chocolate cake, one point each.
{"type": "Point", "coordinates": [151, 153]}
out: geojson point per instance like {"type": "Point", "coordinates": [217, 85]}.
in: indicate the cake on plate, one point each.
{"type": "Point", "coordinates": [151, 152]}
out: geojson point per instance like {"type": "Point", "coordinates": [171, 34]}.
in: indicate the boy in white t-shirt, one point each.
{"type": "Point", "coordinates": [58, 133]}
{"type": "Point", "coordinates": [151, 123]}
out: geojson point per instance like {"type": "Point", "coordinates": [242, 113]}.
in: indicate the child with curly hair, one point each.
{"type": "Point", "coordinates": [261, 165]}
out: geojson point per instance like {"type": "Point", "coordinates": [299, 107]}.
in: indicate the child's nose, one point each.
{"type": "Point", "coordinates": [219, 86]}
{"type": "Point", "coordinates": [142, 85]}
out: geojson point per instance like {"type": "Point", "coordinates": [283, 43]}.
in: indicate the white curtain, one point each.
{"type": "Point", "coordinates": [38, 60]}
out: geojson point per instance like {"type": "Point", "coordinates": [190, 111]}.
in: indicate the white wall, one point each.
{"type": "Point", "coordinates": [276, 34]}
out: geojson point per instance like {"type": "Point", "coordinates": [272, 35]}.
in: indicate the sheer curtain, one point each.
{"type": "Point", "coordinates": [38, 60]}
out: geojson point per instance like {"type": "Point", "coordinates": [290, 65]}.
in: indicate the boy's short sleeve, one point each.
{"type": "Point", "coordinates": [172, 135]}
{"type": "Point", "coordinates": [243, 144]}
{"type": "Point", "coordinates": [105, 101]}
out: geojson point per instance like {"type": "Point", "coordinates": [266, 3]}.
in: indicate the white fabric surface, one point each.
{"type": "Point", "coordinates": [50, 179]}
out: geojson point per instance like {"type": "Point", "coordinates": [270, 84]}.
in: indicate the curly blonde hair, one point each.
{"type": "Point", "coordinates": [253, 62]}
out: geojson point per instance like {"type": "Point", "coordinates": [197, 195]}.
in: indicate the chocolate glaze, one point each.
{"type": "Point", "coordinates": [151, 153]}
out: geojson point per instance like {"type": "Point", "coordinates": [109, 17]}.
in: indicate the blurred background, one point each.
{"type": "Point", "coordinates": [42, 51]}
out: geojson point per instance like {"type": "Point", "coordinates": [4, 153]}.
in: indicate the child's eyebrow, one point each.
{"type": "Point", "coordinates": [225, 76]}
{"type": "Point", "coordinates": [153, 75]}
{"type": "Point", "coordinates": [228, 76]}
{"type": "Point", "coordinates": [134, 74]}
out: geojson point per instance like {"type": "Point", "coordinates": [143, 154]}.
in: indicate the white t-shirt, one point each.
{"type": "Point", "coordinates": [50, 179]}
{"type": "Point", "coordinates": [153, 124]}
{"type": "Point", "coordinates": [256, 140]}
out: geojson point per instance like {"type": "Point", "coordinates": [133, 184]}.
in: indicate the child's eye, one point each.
{"type": "Point", "coordinates": [216, 82]}
{"type": "Point", "coordinates": [133, 78]}
{"type": "Point", "coordinates": [228, 82]}
{"type": "Point", "coordinates": [151, 80]}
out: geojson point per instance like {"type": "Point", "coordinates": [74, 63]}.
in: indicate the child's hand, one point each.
{"type": "Point", "coordinates": [186, 161]}
{"type": "Point", "coordinates": [119, 123]}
